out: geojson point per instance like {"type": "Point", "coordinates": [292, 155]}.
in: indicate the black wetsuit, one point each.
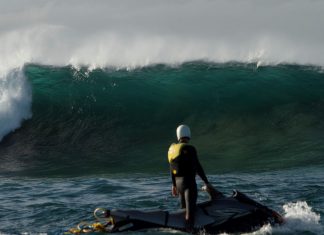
{"type": "Point", "coordinates": [188, 166]}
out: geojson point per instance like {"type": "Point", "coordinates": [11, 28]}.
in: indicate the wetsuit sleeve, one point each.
{"type": "Point", "coordinates": [201, 173]}
{"type": "Point", "coordinates": [173, 178]}
{"type": "Point", "coordinates": [200, 170]}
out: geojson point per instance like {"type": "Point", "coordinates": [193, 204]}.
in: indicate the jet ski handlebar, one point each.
{"type": "Point", "coordinates": [214, 194]}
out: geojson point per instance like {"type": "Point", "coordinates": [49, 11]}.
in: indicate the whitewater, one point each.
{"type": "Point", "coordinates": [91, 94]}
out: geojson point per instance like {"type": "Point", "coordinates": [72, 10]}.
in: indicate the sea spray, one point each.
{"type": "Point", "coordinates": [301, 217]}
{"type": "Point", "coordinates": [128, 34]}
{"type": "Point", "coordinates": [15, 101]}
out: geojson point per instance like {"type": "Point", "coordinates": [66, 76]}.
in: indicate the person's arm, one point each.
{"type": "Point", "coordinates": [174, 191]}
{"type": "Point", "coordinates": [172, 177]}
{"type": "Point", "coordinates": [201, 173]}
{"type": "Point", "coordinates": [199, 169]}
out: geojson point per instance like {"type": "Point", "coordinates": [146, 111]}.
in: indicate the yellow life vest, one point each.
{"type": "Point", "coordinates": [173, 153]}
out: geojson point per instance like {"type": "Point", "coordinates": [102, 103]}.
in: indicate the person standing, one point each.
{"type": "Point", "coordinates": [184, 166]}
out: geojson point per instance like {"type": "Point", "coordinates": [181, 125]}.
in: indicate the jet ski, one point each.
{"type": "Point", "coordinates": [235, 214]}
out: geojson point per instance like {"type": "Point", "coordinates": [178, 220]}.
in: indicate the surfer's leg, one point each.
{"type": "Point", "coordinates": [182, 200]}
{"type": "Point", "coordinates": [191, 200]}
{"type": "Point", "coordinates": [180, 187]}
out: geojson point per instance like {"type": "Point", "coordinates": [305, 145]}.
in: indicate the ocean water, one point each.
{"type": "Point", "coordinates": [53, 205]}
{"type": "Point", "coordinates": [99, 138]}
{"type": "Point", "coordinates": [91, 94]}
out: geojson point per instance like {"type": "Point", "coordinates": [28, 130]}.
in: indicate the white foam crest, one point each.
{"type": "Point", "coordinates": [300, 217]}
{"type": "Point", "coordinates": [15, 101]}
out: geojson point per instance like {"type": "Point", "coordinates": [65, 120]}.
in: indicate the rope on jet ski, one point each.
{"type": "Point", "coordinates": [101, 226]}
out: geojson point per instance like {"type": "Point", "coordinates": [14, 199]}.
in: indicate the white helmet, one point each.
{"type": "Point", "coordinates": [183, 131]}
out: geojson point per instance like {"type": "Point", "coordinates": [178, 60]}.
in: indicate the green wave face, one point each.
{"type": "Point", "coordinates": [243, 118]}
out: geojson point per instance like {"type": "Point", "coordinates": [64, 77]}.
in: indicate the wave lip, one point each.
{"type": "Point", "coordinates": [15, 101]}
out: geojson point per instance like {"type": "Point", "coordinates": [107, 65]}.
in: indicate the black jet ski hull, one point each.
{"type": "Point", "coordinates": [224, 214]}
